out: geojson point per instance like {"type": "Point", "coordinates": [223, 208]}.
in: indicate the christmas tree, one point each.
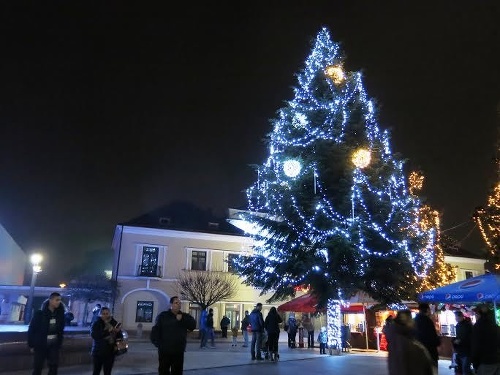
{"type": "Point", "coordinates": [440, 273]}
{"type": "Point", "coordinates": [488, 221]}
{"type": "Point", "coordinates": [330, 207]}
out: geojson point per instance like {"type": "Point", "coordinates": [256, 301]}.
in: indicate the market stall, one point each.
{"type": "Point", "coordinates": [479, 289]}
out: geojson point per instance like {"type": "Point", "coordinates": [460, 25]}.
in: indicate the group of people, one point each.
{"type": "Point", "coordinates": [264, 331]}
{"type": "Point", "coordinates": [413, 343]}
{"type": "Point", "coordinates": [293, 326]}
{"type": "Point", "coordinates": [45, 336]}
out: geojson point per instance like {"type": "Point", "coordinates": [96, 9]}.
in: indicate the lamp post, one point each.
{"type": "Point", "coordinates": [35, 260]}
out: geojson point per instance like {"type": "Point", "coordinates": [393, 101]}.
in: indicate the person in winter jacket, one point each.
{"type": "Point", "coordinates": [245, 322]}
{"type": "Point", "coordinates": [292, 328]}
{"type": "Point", "coordinates": [485, 344]}
{"type": "Point", "coordinates": [203, 328]}
{"type": "Point", "coordinates": [407, 356]}
{"type": "Point", "coordinates": [257, 324]}
{"type": "Point", "coordinates": [169, 335]}
{"type": "Point", "coordinates": [45, 334]}
{"type": "Point", "coordinates": [425, 332]}
{"type": "Point", "coordinates": [462, 343]}
{"type": "Point", "coordinates": [224, 325]}
{"type": "Point", "coordinates": [271, 324]}
{"type": "Point", "coordinates": [104, 332]}
{"type": "Point", "coordinates": [210, 329]}
{"type": "Point", "coordinates": [322, 340]}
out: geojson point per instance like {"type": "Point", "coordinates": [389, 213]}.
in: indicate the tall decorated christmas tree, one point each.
{"type": "Point", "coordinates": [440, 273]}
{"type": "Point", "coordinates": [330, 208]}
{"type": "Point", "coordinates": [488, 221]}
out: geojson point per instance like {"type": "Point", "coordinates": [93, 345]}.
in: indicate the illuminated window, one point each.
{"type": "Point", "coordinates": [144, 311]}
{"type": "Point", "coordinates": [149, 261]}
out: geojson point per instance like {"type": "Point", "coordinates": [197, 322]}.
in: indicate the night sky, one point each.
{"type": "Point", "coordinates": [109, 111]}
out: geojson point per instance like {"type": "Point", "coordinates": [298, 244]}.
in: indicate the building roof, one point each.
{"type": "Point", "coordinates": [184, 216]}
{"type": "Point", "coordinates": [460, 252]}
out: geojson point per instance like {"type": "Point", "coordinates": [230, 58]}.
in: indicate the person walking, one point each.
{"type": "Point", "coordinates": [210, 328]}
{"type": "Point", "coordinates": [257, 325]}
{"type": "Point", "coordinates": [485, 342]}
{"type": "Point", "coordinates": [104, 332]}
{"type": "Point", "coordinates": [169, 335]}
{"type": "Point", "coordinates": [245, 322]}
{"type": "Point", "coordinates": [203, 329]}
{"type": "Point", "coordinates": [224, 325]}
{"type": "Point", "coordinates": [407, 356]}
{"type": "Point", "coordinates": [45, 334]}
{"type": "Point", "coordinates": [271, 324]}
{"type": "Point", "coordinates": [425, 332]}
{"type": "Point", "coordinates": [462, 343]}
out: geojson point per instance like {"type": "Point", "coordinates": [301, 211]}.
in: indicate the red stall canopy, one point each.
{"type": "Point", "coordinates": [307, 304]}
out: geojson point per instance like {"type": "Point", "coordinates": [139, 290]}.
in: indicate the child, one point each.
{"type": "Point", "coordinates": [234, 330]}
{"type": "Point", "coordinates": [323, 340]}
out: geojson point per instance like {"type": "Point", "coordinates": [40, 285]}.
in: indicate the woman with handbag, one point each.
{"type": "Point", "coordinates": [105, 332]}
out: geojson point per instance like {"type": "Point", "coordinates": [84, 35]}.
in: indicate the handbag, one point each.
{"type": "Point", "coordinates": [121, 347]}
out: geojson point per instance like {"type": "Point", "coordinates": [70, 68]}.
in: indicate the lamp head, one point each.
{"type": "Point", "coordinates": [36, 259]}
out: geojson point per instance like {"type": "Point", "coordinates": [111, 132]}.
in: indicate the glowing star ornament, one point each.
{"type": "Point", "coordinates": [361, 158]}
{"type": "Point", "coordinates": [335, 73]}
{"type": "Point", "coordinates": [291, 168]}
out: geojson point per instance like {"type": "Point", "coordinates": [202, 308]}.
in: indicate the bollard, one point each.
{"type": "Point", "coordinates": [139, 330]}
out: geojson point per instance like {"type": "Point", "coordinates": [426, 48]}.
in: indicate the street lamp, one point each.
{"type": "Point", "coordinates": [35, 260]}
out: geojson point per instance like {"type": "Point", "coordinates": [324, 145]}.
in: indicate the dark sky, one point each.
{"type": "Point", "coordinates": [109, 111]}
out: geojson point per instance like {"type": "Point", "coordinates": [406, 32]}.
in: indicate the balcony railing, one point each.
{"type": "Point", "coordinates": [146, 271]}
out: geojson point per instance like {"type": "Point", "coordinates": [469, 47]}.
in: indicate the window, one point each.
{"type": "Point", "coordinates": [199, 260]}
{"type": "Point", "coordinates": [230, 259]}
{"type": "Point", "coordinates": [144, 312]}
{"type": "Point", "coordinates": [469, 274]}
{"type": "Point", "coordinates": [149, 261]}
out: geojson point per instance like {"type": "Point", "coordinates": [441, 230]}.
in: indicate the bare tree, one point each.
{"type": "Point", "coordinates": [205, 288]}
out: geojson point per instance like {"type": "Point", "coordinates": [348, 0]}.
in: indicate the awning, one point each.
{"type": "Point", "coordinates": [484, 288]}
{"type": "Point", "coordinates": [307, 304]}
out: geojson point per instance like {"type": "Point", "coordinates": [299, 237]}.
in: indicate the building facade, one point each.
{"type": "Point", "coordinates": [152, 252]}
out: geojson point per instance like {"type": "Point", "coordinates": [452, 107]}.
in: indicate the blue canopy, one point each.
{"type": "Point", "coordinates": [484, 288]}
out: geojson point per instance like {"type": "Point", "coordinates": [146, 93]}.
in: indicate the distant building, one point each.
{"type": "Point", "coordinates": [12, 260]}
{"type": "Point", "coordinates": [466, 264]}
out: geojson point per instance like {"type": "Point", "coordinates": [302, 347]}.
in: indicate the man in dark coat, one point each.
{"type": "Point", "coordinates": [462, 343]}
{"type": "Point", "coordinates": [45, 334]}
{"type": "Point", "coordinates": [104, 332]}
{"type": "Point", "coordinates": [485, 354]}
{"type": "Point", "coordinates": [407, 356]}
{"type": "Point", "coordinates": [224, 324]}
{"type": "Point", "coordinates": [425, 332]}
{"type": "Point", "coordinates": [169, 335]}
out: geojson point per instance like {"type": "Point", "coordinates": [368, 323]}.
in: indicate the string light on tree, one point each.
{"type": "Point", "coordinates": [335, 73]}
{"type": "Point", "coordinates": [292, 168]}
{"type": "Point", "coordinates": [361, 158]}
{"type": "Point", "coordinates": [416, 182]}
